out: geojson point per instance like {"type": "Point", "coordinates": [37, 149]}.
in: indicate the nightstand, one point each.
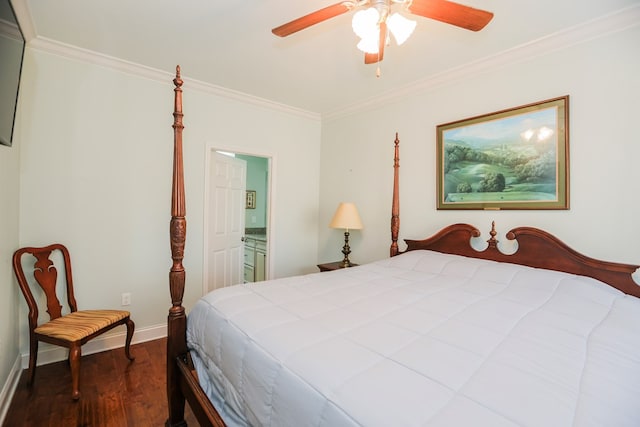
{"type": "Point", "coordinates": [330, 266]}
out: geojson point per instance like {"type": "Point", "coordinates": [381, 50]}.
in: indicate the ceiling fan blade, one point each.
{"type": "Point", "coordinates": [452, 13]}
{"type": "Point", "coordinates": [312, 19]}
{"type": "Point", "coordinates": [372, 58]}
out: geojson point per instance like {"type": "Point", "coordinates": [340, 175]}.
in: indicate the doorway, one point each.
{"type": "Point", "coordinates": [237, 219]}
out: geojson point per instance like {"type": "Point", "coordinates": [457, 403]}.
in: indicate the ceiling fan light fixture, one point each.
{"type": "Point", "coordinates": [400, 27]}
{"type": "Point", "coordinates": [365, 22]}
{"type": "Point", "coordinates": [375, 24]}
{"type": "Point", "coordinates": [370, 44]}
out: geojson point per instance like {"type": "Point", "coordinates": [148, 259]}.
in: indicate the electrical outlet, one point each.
{"type": "Point", "coordinates": [126, 298]}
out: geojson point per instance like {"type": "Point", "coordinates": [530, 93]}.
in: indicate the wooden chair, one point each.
{"type": "Point", "coordinates": [70, 330]}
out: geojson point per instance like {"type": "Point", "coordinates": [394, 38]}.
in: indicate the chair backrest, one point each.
{"type": "Point", "coordinates": [46, 275]}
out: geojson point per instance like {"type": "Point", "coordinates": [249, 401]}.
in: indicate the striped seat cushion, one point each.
{"type": "Point", "coordinates": [80, 324]}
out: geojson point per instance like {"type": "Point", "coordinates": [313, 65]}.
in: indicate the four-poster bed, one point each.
{"type": "Point", "coordinates": [432, 293]}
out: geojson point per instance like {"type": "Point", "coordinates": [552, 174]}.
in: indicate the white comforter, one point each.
{"type": "Point", "coordinates": [421, 339]}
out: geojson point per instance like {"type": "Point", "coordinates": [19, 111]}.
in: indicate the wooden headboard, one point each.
{"type": "Point", "coordinates": [535, 248]}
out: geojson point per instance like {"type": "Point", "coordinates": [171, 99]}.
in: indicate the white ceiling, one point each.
{"type": "Point", "coordinates": [230, 44]}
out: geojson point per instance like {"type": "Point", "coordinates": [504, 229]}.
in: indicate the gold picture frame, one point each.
{"type": "Point", "coordinates": [250, 199]}
{"type": "Point", "coordinates": [511, 159]}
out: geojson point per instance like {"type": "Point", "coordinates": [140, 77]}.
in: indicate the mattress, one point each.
{"type": "Point", "coordinates": [421, 339]}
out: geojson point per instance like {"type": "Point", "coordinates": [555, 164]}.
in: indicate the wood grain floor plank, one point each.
{"type": "Point", "coordinates": [115, 392]}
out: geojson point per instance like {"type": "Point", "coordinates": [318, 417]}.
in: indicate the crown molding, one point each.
{"type": "Point", "coordinates": [608, 24]}
{"type": "Point", "coordinates": [250, 99]}
{"type": "Point", "coordinates": [603, 26]}
{"type": "Point", "coordinates": [10, 30]}
{"type": "Point", "coordinates": [76, 53]}
{"type": "Point", "coordinates": [23, 15]}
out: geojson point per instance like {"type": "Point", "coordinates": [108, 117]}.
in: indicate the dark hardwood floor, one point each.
{"type": "Point", "coordinates": [115, 392]}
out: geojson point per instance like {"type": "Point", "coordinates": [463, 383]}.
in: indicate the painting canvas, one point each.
{"type": "Point", "coordinates": [511, 159]}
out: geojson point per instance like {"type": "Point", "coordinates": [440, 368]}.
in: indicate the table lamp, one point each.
{"type": "Point", "coordinates": [346, 217]}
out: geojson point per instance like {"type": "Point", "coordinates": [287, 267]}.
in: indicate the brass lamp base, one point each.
{"type": "Point", "coordinates": [346, 250]}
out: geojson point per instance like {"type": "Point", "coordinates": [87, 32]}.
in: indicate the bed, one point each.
{"type": "Point", "coordinates": [439, 334]}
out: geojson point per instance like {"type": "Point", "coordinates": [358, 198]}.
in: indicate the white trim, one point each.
{"type": "Point", "coordinates": [50, 354]}
{"type": "Point", "coordinates": [594, 29]}
{"type": "Point", "coordinates": [9, 388]}
{"type": "Point", "coordinates": [79, 54]}
{"type": "Point", "coordinates": [205, 222]}
{"type": "Point", "coordinates": [65, 50]}
{"type": "Point", "coordinates": [271, 228]}
{"type": "Point", "coordinates": [10, 30]}
{"type": "Point", "coordinates": [23, 15]}
{"type": "Point", "coordinates": [44, 44]}
{"type": "Point", "coordinates": [250, 99]}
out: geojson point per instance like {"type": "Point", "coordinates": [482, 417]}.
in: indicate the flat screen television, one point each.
{"type": "Point", "coordinates": [11, 55]}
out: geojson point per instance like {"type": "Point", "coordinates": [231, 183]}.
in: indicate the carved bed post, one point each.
{"type": "Point", "coordinates": [176, 322]}
{"type": "Point", "coordinates": [395, 206]}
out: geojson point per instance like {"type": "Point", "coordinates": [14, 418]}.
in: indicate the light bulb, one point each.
{"type": "Point", "coordinates": [370, 44]}
{"type": "Point", "coordinates": [400, 27]}
{"type": "Point", "coordinates": [365, 22]}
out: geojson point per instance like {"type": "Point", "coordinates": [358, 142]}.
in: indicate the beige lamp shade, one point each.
{"type": "Point", "coordinates": [346, 217]}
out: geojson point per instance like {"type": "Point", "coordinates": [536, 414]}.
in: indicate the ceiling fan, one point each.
{"type": "Point", "coordinates": [374, 24]}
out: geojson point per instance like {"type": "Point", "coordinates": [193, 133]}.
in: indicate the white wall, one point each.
{"type": "Point", "coordinates": [9, 214]}
{"type": "Point", "coordinates": [96, 147]}
{"type": "Point", "coordinates": [9, 196]}
{"type": "Point", "coordinates": [601, 77]}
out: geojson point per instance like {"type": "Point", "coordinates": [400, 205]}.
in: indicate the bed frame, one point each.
{"type": "Point", "coordinates": [182, 381]}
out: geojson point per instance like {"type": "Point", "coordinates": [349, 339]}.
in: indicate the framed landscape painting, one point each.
{"type": "Point", "coordinates": [510, 159]}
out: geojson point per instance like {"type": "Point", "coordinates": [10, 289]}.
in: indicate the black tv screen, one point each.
{"type": "Point", "coordinates": [11, 54]}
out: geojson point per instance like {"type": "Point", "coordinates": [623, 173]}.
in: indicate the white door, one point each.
{"type": "Point", "coordinates": [227, 189]}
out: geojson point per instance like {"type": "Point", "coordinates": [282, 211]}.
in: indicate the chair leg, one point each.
{"type": "Point", "coordinates": [75, 353]}
{"type": "Point", "coordinates": [130, 328]}
{"type": "Point", "coordinates": [33, 358]}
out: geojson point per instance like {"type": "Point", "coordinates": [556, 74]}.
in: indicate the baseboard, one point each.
{"type": "Point", "coordinates": [50, 354]}
{"type": "Point", "coordinates": [6, 394]}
